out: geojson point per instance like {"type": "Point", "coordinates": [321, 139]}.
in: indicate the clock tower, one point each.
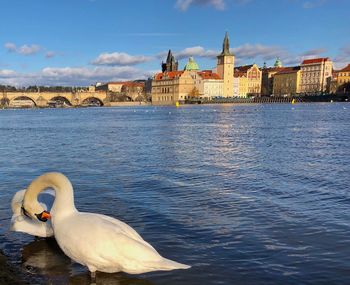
{"type": "Point", "coordinates": [225, 67]}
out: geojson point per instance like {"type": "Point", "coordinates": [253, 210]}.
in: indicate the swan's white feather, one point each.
{"type": "Point", "coordinates": [106, 244]}
{"type": "Point", "coordinates": [21, 223]}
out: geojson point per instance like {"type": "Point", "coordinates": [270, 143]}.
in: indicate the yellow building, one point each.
{"type": "Point", "coordinates": [171, 87]}
{"type": "Point", "coordinates": [225, 67]}
{"type": "Point", "coordinates": [316, 75]}
{"type": "Point", "coordinates": [287, 81]}
{"type": "Point", "coordinates": [240, 84]}
{"type": "Point", "coordinates": [343, 80]}
{"type": "Point", "coordinates": [254, 78]}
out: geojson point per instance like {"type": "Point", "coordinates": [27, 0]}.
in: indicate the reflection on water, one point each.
{"type": "Point", "coordinates": [246, 194]}
{"type": "Point", "coordinates": [44, 257]}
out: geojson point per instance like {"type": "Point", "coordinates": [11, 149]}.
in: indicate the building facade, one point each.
{"type": "Point", "coordinates": [254, 78]}
{"type": "Point", "coordinates": [240, 84]}
{"type": "Point", "coordinates": [316, 75]}
{"type": "Point", "coordinates": [171, 87]}
{"type": "Point", "coordinates": [287, 81]}
{"type": "Point", "coordinates": [209, 84]}
{"type": "Point", "coordinates": [343, 80]}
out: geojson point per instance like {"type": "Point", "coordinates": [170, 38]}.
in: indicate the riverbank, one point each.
{"type": "Point", "coordinates": [9, 275]}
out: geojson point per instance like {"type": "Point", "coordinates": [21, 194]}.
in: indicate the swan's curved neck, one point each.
{"type": "Point", "coordinates": [64, 196]}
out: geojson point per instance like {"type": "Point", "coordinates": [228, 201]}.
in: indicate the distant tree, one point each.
{"type": "Point", "coordinates": [194, 93]}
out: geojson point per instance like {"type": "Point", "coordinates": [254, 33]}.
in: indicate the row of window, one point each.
{"type": "Point", "coordinates": [344, 74]}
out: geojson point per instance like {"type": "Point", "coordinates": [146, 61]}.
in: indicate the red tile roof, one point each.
{"type": "Point", "coordinates": [288, 70]}
{"type": "Point", "coordinates": [346, 69]}
{"type": "Point", "coordinates": [239, 74]}
{"type": "Point", "coordinates": [244, 68]}
{"type": "Point", "coordinates": [208, 74]}
{"type": "Point", "coordinates": [167, 75]}
{"type": "Point", "coordinates": [315, 60]}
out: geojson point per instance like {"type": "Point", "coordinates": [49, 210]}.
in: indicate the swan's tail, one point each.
{"type": "Point", "coordinates": [168, 264]}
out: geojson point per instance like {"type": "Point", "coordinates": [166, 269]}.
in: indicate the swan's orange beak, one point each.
{"type": "Point", "coordinates": [44, 216]}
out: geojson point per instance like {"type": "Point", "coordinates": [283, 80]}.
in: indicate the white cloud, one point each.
{"type": "Point", "coordinates": [72, 76]}
{"type": "Point", "coordinates": [28, 49]}
{"type": "Point", "coordinates": [6, 73]}
{"type": "Point", "coordinates": [249, 51]}
{"type": "Point", "coordinates": [116, 58]}
{"type": "Point", "coordinates": [313, 4]}
{"type": "Point", "coordinates": [196, 51]}
{"type": "Point", "coordinates": [11, 47]}
{"type": "Point", "coordinates": [50, 54]}
{"type": "Point", "coordinates": [24, 49]}
{"type": "Point", "coordinates": [184, 4]}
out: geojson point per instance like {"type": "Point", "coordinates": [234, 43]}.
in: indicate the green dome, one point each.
{"type": "Point", "coordinates": [278, 62]}
{"type": "Point", "coordinates": [191, 65]}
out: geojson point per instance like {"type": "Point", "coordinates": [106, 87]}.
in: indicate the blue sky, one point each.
{"type": "Point", "coordinates": [80, 42]}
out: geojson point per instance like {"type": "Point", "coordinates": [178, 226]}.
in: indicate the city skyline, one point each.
{"type": "Point", "coordinates": [86, 41]}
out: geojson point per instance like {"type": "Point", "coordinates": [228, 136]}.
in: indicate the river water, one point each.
{"type": "Point", "coordinates": [246, 194]}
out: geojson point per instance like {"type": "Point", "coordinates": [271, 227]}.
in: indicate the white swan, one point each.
{"type": "Point", "coordinates": [22, 223]}
{"type": "Point", "coordinates": [97, 241]}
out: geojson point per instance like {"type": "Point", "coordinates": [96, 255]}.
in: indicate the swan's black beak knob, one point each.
{"type": "Point", "coordinates": [44, 216]}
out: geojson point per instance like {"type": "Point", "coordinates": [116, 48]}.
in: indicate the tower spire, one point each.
{"type": "Point", "coordinates": [226, 46]}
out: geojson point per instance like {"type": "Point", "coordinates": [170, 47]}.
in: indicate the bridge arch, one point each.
{"type": "Point", "coordinates": [92, 101]}
{"type": "Point", "coordinates": [60, 100]}
{"type": "Point", "coordinates": [22, 101]}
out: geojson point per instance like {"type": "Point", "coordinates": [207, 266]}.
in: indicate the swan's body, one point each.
{"type": "Point", "coordinates": [99, 242]}
{"type": "Point", "coordinates": [21, 223]}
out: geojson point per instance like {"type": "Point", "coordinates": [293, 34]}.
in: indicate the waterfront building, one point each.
{"type": "Point", "coordinates": [240, 84]}
{"type": "Point", "coordinates": [225, 67]}
{"type": "Point", "coordinates": [268, 77]}
{"type": "Point", "coordinates": [169, 87]}
{"type": "Point", "coordinates": [134, 90]}
{"type": "Point", "coordinates": [171, 64]}
{"type": "Point", "coordinates": [254, 78]}
{"type": "Point", "coordinates": [343, 80]}
{"type": "Point", "coordinates": [287, 81]}
{"type": "Point", "coordinates": [209, 84]}
{"type": "Point", "coordinates": [316, 75]}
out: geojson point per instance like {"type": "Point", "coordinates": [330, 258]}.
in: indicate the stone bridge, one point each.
{"type": "Point", "coordinates": [44, 99]}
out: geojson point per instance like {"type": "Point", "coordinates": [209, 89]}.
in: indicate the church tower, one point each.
{"type": "Point", "coordinates": [225, 67]}
{"type": "Point", "coordinates": [170, 64]}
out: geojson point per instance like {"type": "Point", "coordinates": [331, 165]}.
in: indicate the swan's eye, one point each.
{"type": "Point", "coordinates": [25, 212]}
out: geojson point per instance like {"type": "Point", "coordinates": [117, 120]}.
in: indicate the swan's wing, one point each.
{"type": "Point", "coordinates": [101, 244]}
{"type": "Point", "coordinates": [125, 229]}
